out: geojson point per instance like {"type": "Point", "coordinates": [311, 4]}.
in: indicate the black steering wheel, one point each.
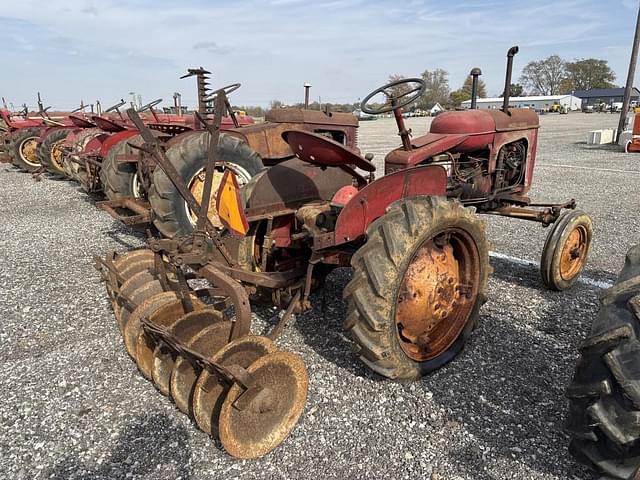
{"type": "Point", "coordinates": [150, 105]}
{"type": "Point", "coordinates": [115, 107]}
{"type": "Point", "coordinates": [396, 97]}
{"type": "Point", "coordinates": [227, 90]}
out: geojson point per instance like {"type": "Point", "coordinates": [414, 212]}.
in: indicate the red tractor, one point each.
{"type": "Point", "coordinates": [418, 249]}
{"type": "Point", "coordinates": [20, 134]}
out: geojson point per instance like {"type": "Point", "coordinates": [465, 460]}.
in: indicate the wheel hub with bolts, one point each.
{"type": "Point", "coordinates": [573, 253]}
{"type": "Point", "coordinates": [433, 302]}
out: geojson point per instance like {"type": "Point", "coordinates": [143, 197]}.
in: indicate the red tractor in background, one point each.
{"type": "Point", "coordinates": [418, 249]}
{"type": "Point", "coordinates": [122, 173]}
{"type": "Point", "coordinates": [20, 134]}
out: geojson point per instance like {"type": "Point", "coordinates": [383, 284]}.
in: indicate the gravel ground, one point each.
{"type": "Point", "coordinates": [72, 404]}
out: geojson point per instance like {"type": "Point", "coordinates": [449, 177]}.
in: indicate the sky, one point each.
{"type": "Point", "coordinates": [72, 50]}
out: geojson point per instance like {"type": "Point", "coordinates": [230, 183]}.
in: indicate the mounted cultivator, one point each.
{"type": "Point", "coordinates": [418, 250]}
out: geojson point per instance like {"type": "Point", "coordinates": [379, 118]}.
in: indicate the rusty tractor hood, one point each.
{"type": "Point", "coordinates": [266, 138]}
{"type": "Point", "coordinates": [301, 115]}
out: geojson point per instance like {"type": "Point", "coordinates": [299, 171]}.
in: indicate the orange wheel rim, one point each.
{"type": "Point", "coordinates": [29, 150]}
{"type": "Point", "coordinates": [574, 252]}
{"type": "Point", "coordinates": [197, 187]}
{"type": "Point", "coordinates": [56, 154]}
{"type": "Point", "coordinates": [437, 294]}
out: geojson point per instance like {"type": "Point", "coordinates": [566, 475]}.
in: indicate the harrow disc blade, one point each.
{"type": "Point", "coordinates": [164, 316]}
{"type": "Point", "coordinates": [133, 325]}
{"type": "Point", "coordinates": [266, 421]}
{"type": "Point", "coordinates": [209, 392]}
{"type": "Point", "coordinates": [184, 328]}
{"type": "Point", "coordinates": [128, 289]}
{"type": "Point", "coordinates": [184, 375]}
{"type": "Point", "coordinates": [137, 298]}
{"type": "Point", "coordinates": [128, 264]}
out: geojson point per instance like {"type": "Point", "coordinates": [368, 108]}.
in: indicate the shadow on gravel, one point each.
{"type": "Point", "coordinates": [323, 329]}
{"type": "Point", "coordinates": [529, 275]}
{"type": "Point", "coordinates": [150, 444]}
{"type": "Point", "coordinates": [607, 147]}
{"type": "Point", "coordinates": [509, 395]}
{"type": "Point", "coordinates": [125, 236]}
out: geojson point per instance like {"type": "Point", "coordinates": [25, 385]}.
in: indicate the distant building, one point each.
{"type": "Point", "coordinates": [536, 102]}
{"type": "Point", "coordinates": [596, 96]}
{"type": "Point", "coordinates": [436, 109]}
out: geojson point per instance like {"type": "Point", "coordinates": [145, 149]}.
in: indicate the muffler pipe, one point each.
{"type": "Point", "coordinates": [507, 81]}
{"type": "Point", "coordinates": [475, 73]}
{"type": "Point", "coordinates": [307, 88]}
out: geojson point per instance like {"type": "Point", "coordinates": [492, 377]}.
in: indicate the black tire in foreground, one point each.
{"type": "Point", "coordinates": [23, 149]}
{"type": "Point", "coordinates": [49, 153]}
{"type": "Point", "coordinates": [604, 396]}
{"type": "Point", "coordinates": [418, 284]}
{"type": "Point", "coordinates": [172, 217]}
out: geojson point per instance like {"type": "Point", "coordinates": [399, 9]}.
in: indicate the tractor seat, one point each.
{"type": "Point", "coordinates": [325, 152]}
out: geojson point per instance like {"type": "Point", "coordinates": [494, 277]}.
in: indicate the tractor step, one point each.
{"type": "Point", "coordinates": [128, 210]}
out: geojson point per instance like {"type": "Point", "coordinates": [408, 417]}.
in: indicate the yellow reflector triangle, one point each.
{"type": "Point", "coordinates": [229, 205]}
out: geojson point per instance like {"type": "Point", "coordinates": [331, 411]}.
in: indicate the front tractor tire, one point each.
{"type": "Point", "coordinates": [565, 250]}
{"type": "Point", "coordinates": [172, 216]}
{"type": "Point", "coordinates": [418, 284]}
{"type": "Point", "coordinates": [604, 396]}
{"type": "Point", "coordinates": [24, 149]}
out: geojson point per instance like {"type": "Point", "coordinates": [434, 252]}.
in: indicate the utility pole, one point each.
{"type": "Point", "coordinates": [630, 76]}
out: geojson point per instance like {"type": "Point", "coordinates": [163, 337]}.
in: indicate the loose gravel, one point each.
{"type": "Point", "coordinates": [73, 406]}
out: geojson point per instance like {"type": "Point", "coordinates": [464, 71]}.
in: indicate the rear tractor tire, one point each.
{"type": "Point", "coordinates": [24, 149]}
{"type": "Point", "coordinates": [172, 217]}
{"type": "Point", "coordinates": [565, 251]}
{"type": "Point", "coordinates": [604, 396]}
{"type": "Point", "coordinates": [50, 153]}
{"type": "Point", "coordinates": [418, 284]}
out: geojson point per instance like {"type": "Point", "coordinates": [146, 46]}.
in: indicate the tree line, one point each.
{"type": "Point", "coordinates": [553, 75]}
{"type": "Point", "coordinates": [549, 76]}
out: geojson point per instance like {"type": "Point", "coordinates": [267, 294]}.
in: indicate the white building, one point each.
{"type": "Point", "coordinates": [437, 108]}
{"type": "Point", "coordinates": [536, 102]}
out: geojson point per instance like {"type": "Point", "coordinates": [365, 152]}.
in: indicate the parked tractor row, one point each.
{"type": "Point", "coordinates": [263, 212]}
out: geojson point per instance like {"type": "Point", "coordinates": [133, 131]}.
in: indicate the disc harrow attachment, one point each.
{"type": "Point", "coordinates": [240, 389]}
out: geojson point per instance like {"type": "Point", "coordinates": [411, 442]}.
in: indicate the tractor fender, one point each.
{"type": "Point", "coordinates": [49, 130]}
{"type": "Point", "coordinates": [372, 201]}
{"type": "Point", "coordinates": [111, 140]}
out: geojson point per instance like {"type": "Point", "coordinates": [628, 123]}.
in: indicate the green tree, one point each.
{"type": "Point", "coordinates": [544, 77]}
{"type": "Point", "coordinates": [436, 88]}
{"type": "Point", "coordinates": [464, 93]}
{"type": "Point", "coordinates": [516, 90]}
{"type": "Point", "coordinates": [588, 73]}
{"type": "Point", "coordinates": [468, 83]}
{"type": "Point", "coordinates": [457, 97]}
{"type": "Point", "coordinates": [401, 89]}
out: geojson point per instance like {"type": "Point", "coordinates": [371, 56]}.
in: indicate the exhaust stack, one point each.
{"type": "Point", "coordinates": [507, 81]}
{"type": "Point", "coordinates": [307, 87]}
{"type": "Point", "coordinates": [475, 73]}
